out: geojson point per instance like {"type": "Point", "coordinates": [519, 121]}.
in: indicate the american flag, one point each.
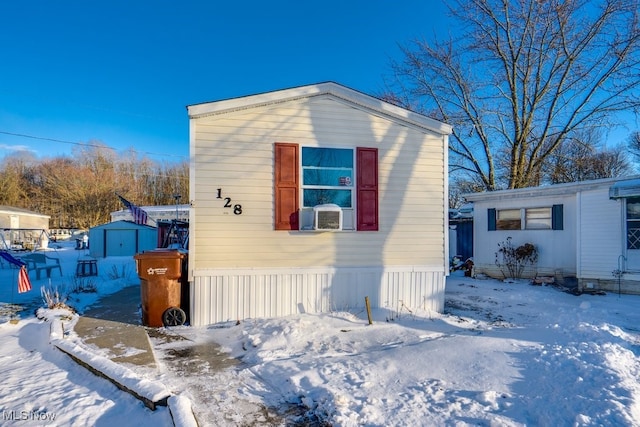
{"type": "Point", "coordinates": [24, 284]}
{"type": "Point", "coordinates": [139, 215]}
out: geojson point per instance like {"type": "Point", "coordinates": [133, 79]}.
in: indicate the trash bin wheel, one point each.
{"type": "Point", "coordinates": [174, 316]}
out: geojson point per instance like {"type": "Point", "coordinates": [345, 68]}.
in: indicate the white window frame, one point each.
{"type": "Point", "coordinates": [307, 214]}
{"type": "Point", "coordinates": [538, 219]}
{"type": "Point", "coordinates": [544, 222]}
{"type": "Point", "coordinates": [498, 219]}
{"type": "Point", "coordinates": [634, 239]}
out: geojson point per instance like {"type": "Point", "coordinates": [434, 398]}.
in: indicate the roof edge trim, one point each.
{"type": "Point", "coordinates": [354, 97]}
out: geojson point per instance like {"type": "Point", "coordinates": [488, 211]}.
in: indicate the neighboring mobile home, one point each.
{"type": "Point", "coordinates": [312, 198]}
{"type": "Point", "coordinates": [586, 230]}
{"type": "Point", "coordinates": [23, 229]}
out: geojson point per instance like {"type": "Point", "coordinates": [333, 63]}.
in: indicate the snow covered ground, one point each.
{"type": "Point", "coordinates": [503, 354]}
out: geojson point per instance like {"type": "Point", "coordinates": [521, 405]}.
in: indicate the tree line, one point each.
{"type": "Point", "coordinates": [79, 191]}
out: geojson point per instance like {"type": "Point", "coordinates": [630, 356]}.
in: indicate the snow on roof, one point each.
{"type": "Point", "coordinates": [628, 188]}
{"type": "Point", "coordinates": [550, 190]}
{"type": "Point", "coordinates": [21, 211]}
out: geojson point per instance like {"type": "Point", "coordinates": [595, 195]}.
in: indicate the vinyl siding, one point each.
{"type": "Point", "coordinates": [601, 234]}
{"type": "Point", "coordinates": [229, 295]}
{"type": "Point", "coordinates": [234, 152]}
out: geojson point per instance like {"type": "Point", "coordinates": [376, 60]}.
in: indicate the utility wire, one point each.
{"type": "Point", "coordinates": [84, 144]}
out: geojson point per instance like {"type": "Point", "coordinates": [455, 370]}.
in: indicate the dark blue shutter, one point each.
{"type": "Point", "coordinates": [491, 218]}
{"type": "Point", "coordinates": [557, 217]}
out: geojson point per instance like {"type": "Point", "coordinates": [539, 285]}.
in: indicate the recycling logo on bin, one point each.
{"type": "Point", "coordinates": [158, 270]}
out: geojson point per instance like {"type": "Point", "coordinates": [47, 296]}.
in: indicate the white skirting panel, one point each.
{"type": "Point", "coordinates": [229, 295]}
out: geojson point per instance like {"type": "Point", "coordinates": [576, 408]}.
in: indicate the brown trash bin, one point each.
{"type": "Point", "coordinates": [161, 273]}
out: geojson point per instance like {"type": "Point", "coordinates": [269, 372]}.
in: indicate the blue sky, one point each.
{"type": "Point", "coordinates": [122, 72]}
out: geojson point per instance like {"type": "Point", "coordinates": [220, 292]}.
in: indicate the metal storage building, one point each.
{"type": "Point", "coordinates": [121, 238]}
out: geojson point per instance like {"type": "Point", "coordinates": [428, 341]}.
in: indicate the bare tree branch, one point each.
{"type": "Point", "coordinates": [520, 79]}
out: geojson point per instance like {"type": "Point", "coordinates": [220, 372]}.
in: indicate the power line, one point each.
{"type": "Point", "coordinates": [83, 144]}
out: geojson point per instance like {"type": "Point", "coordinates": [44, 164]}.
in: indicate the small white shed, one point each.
{"type": "Point", "coordinates": [121, 238]}
{"type": "Point", "coordinates": [586, 230]}
{"type": "Point", "coordinates": [312, 198]}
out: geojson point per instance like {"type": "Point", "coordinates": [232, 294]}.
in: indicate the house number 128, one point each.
{"type": "Point", "coordinates": [237, 209]}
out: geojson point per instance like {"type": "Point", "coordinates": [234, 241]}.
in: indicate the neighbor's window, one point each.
{"type": "Point", "coordinates": [633, 223]}
{"type": "Point", "coordinates": [327, 176]}
{"type": "Point", "coordinates": [548, 218]}
{"type": "Point", "coordinates": [508, 219]}
{"type": "Point", "coordinates": [538, 218]}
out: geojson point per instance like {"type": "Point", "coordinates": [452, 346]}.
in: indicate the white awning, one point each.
{"type": "Point", "coordinates": [624, 189]}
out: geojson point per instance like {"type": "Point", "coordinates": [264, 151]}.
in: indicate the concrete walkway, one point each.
{"type": "Point", "coordinates": [114, 325]}
{"type": "Point", "coordinates": [125, 343]}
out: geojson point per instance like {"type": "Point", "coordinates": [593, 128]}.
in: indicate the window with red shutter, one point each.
{"type": "Point", "coordinates": [286, 186]}
{"type": "Point", "coordinates": [367, 188]}
{"type": "Point", "coordinates": [326, 178]}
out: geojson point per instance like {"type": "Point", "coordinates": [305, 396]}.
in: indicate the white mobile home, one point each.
{"type": "Point", "coordinates": [586, 230]}
{"type": "Point", "coordinates": [23, 229]}
{"type": "Point", "coordinates": [312, 198]}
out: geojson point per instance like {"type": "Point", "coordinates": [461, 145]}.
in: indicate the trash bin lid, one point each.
{"type": "Point", "coordinates": [161, 254]}
{"type": "Point", "coordinates": [159, 265]}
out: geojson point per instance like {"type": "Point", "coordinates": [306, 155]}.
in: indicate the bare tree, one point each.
{"type": "Point", "coordinates": [86, 189]}
{"type": "Point", "coordinates": [575, 161]}
{"type": "Point", "coordinates": [519, 78]}
{"type": "Point", "coordinates": [634, 146]}
{"type": "Point", "coordinates": [460, 185]}
{"type": "Point", "coordinates": [13, 183]}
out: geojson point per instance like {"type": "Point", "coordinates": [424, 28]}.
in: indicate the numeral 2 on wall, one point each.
{"type": "Point", "coordinates": [237, 209]}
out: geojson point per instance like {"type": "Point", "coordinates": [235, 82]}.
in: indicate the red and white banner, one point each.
{"type": "Point", "coordinates": [24, 284]}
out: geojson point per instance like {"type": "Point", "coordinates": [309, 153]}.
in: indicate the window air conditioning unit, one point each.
{"type": "Point", "coordinates": [327, 217]}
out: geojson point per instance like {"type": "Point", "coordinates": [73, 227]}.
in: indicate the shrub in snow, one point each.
{"type": "Point", "coordinates": [82, 285]}
{"type": "Point", "coordinates": [512, 260]}
{"type": "Point", "coordinates": [114, 274]}
{"type": "Point", "coordinates": [52, 297]}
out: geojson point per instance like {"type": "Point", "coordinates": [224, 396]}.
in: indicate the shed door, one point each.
{"type": "Point", "coordinates": [464, 239]}
{"type": "Point", "coordinates": [120, 242]}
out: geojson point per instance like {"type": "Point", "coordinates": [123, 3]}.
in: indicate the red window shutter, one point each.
{"type": "Point", "coordinates": [367, 188]}
{"type": "Point", "coordinates": [286, 186]}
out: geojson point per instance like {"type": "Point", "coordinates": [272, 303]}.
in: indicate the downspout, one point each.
{"type": "Point", "coordinates": [620, 271]}
{"type": "Point", "coordinates": [445, 171]}
{"type": "Point", "coordinates": [622, 259]}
